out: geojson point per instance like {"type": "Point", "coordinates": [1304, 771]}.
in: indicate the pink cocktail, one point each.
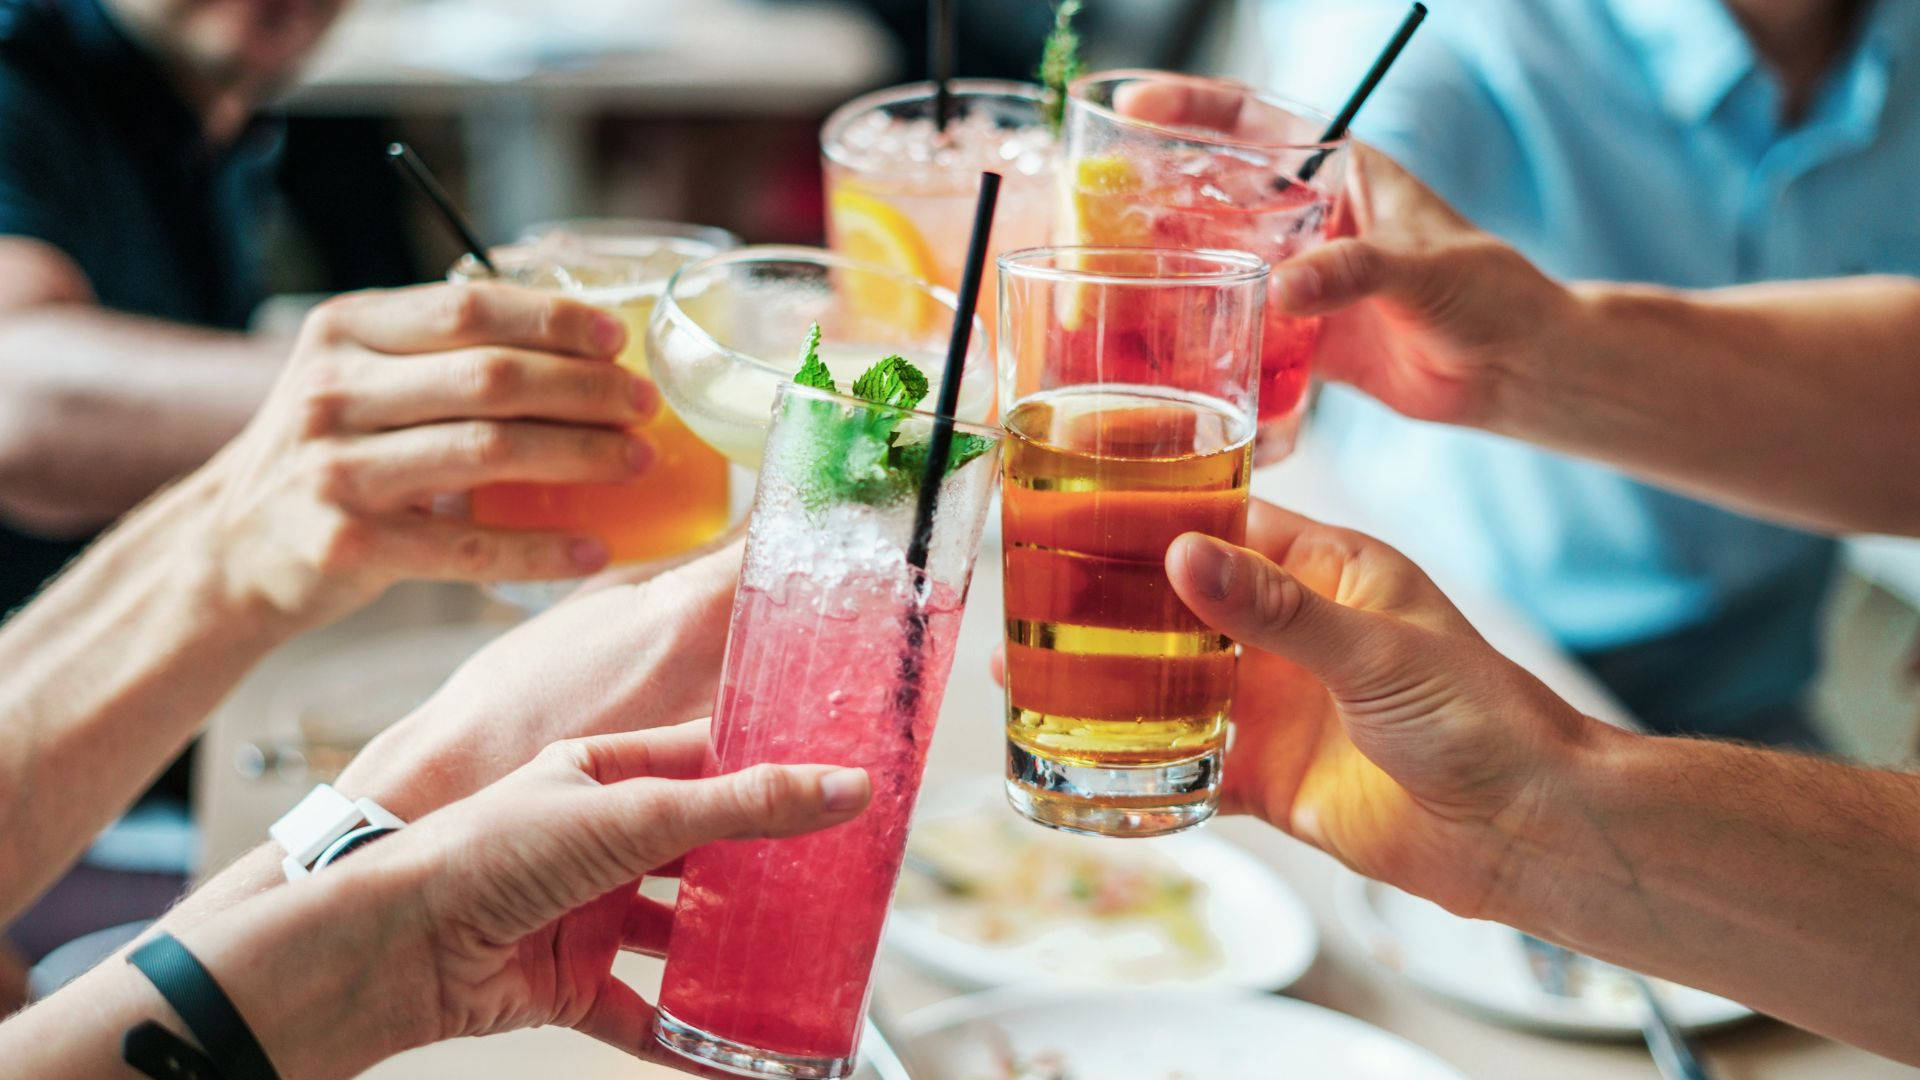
{"type": "Point", "coordinates": [838, 654]}
{"type": "Point", "coordinates": [1175, 161]}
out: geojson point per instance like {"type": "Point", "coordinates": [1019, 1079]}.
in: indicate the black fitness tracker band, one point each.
{"type": "Point", "coordinates": [204, 1007]}
{"type": "Point", "coordinates": [162, 1055]}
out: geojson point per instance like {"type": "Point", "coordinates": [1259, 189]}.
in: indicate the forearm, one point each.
{"type": "Point", "coordinates": [109, 674]}
{"type": "Point", "coordinates": [1796, 400]}
{"type": "Point", "coordinates": [317, 972]}
{"type": "Point", "coordinates": [1788, 883]}
{"type": "Point", "coordinates": [98, 409]}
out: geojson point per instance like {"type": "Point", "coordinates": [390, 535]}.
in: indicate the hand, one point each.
{"type": "Point", "coordinates": [391, 398]}
{"type": "Point", "coordinates": [504, 910]}
{"type": "Point", "coordinates": [621, 657]}
{"type": "Point", "coordinates": [1423, 310]}
{"type": "Point", "coordinates": [1370, 719]}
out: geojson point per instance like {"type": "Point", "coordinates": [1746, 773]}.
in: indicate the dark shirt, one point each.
{"type": "Point", "coordinates": [101, 158]}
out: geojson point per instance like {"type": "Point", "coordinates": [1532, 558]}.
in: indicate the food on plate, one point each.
{"type": "Point", "coordinates": [1109, 909]}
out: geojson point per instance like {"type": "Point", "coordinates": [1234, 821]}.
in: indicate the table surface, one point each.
{"type": "Point", "coordinates": [967, 747]}
{"type": "Point", "coordinates": [678, 57]}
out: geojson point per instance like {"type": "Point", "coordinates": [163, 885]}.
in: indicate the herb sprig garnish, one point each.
{"type": "Point", "coordinates": [858, 455]}
{"type": "Point", "coordinates": [1060, 63]}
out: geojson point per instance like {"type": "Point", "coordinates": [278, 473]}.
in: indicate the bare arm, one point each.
{"type": "Point", "coordinates": [109, 674]}
{"type": "Point", "coordinates": [1798, 400]}
{"type": "Point", "coordinates": [98, 409]}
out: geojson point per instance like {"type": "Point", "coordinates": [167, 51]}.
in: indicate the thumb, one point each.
{"type": "Point", "coordinates": [664, 819]}
{"type": "Point", "coordinates": [1245, 596]}
{"type": "Point", "coordinates": [1344, 272]}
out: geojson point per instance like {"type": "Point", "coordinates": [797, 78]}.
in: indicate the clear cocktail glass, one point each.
{"type": "Point", "coordinates": [1155, 159]}
{"type": "Point", "coordinates": [838, 653]}
{"type": "Point", "coordinates": [682, 502]}
{"type": "Point", "coordinates": [726, 334]}
{"type": "Point", "coordinates": [900, 192]}
{"type": "Point", "coordinates": [1127, 391]}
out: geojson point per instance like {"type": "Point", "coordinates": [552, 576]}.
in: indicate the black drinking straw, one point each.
{"type": "Point", "coordinates": [415, 170]}
{"type": "Point", "coordinates": [940, 443]}
{"type": "Point", "coordinates": [940, 59]}
{"type": "Point", "coordinates": [940, 446]}
{"type": "Point", "coordinates": [1365, 90]}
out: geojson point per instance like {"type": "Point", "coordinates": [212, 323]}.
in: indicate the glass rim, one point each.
{"type": "Point", "coordinates": [670, 309]}
{"type": "Point", "coordinates": [1231, 267]}
{"type": "Point", "coordinates": [1076, 96]}
{"type": "Point", "coordinates": [528, 249]}
{"type": "Point", "coordinates": [620, 230]}
{"type": "Point", "coordinates": [1012, 89]}
{"type": "Point", "coordinates": [789, 388]}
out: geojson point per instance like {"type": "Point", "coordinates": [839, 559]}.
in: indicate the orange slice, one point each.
{"type": "Point", "coordinates": [869, 229]}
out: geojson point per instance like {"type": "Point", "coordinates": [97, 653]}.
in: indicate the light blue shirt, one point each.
{"type": "Point", "coordinates": [1631, 140]}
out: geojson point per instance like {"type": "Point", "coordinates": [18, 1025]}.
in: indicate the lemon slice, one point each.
{"type": "Point", "coordinates": [871, 230]}
{"type": "Point", "coordinates": [1103, 209]}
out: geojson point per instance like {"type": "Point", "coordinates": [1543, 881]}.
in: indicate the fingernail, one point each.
{"type": "Point", "coordinates": [1212, 564]}
{"type": "Point", "coordinates": [645, 396]}
{"type": "Point", "coordinates": [609, 333]}
{"type": "Point", "coordinates": [1298, 286]}
{"type": "Point", "coordinates": [639, 454]}
{"type": "Point", "coordinates": [587, 553]}
{"type": "Point", "coordinates": [843, 789]}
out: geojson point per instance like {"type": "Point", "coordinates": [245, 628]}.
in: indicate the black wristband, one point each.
{"type": "Point", "coordinates": [204, 1007]}
{"type": "Point", "coordinates": [162, 1055]}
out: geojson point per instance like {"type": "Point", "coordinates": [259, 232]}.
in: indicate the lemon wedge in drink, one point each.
{"type": "Point", "coordinates": [870, 230]}
{"type": "Point", "coordinates": [1102, 210]}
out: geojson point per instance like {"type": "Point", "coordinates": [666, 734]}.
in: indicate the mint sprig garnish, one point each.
{"type": "Point", "coordinates": [858, 456]}
{"type": "Point", "coordinates": [1059, 63]}
{"type": "Point", "coordinates": [812, 372]}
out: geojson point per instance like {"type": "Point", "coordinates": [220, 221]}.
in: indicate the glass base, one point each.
{"type": "Point", "coordinates": [743, 1060]}
{"type": "Point", "coordinates": [1140, 800]}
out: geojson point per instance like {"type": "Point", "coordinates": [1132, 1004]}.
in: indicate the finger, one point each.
{"type": "Point", "coordinates": [1245, 596]}
{"type": "Point", "coordinates": [671, 753]}
{"type": "Point", "coordinates": [436, 318]}
{"type": "Point", "coordinates": [997, 664]}
{"type": "Point", "coordinates": [648, 925]}
{"type": "Point", "coordinates": [442, 549]}
{"type": "Point", "coordinates": [1351, 567]}
{"type": "Point", "coordinates": [1180, 104]}
{"type": "Point", "coordinates": [665, 819]}
{"type": "Point", "coordinates": [389, 470]}
{"type": "Point", "coordinates": [1343, 272]}
{"type": "Point", "coordinates": [495, 382]}
{"type": "Point", "coordinates": [619, 1017]}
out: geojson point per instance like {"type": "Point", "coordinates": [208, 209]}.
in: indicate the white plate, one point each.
{"type": "Point", "coordinates": [1481, 967]}
{"type": "Point", "coordinates": [1266, 938]}
{"type": "Point", "coordinates": [1160, 1035]}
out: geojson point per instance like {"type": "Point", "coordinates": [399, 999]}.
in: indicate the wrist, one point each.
{"type": "Point", "coordinates": [333, 973]}
{"type": "Point", "coordinates": [1561, 856]}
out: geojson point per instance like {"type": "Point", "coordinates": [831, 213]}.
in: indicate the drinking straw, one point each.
{"type": "Point", "coordinates": [415, 170]}
{"type": "Point", "coordinates": [940, 59]}
{"type": "Point", "coordinates": [1365, 90]}
{"type": "Point", "coordinates": [940, 443]}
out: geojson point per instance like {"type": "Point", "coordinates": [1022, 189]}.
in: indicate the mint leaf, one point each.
{"type": "Point", "coordinates": [1060, 63]}
{"type": "Point", "coordinates": [812, 372]}
{"type": "Point", "coordinates": [893, 381]}
{"type": "Point", "coordinates": [912, 458]}
{"type": "Point", "coordinates": [842, 455]}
